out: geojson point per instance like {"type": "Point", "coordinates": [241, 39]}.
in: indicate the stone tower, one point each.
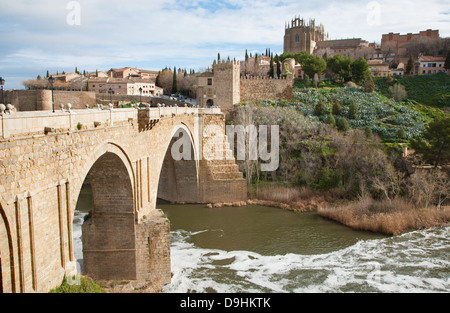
{"type": "Point", "coordinates": [300, 36]}
{"type": "Point", "coordinates": [227, 83]}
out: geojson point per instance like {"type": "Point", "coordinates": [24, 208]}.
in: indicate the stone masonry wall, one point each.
{"type": "Point", "coordinates": [41, 100]}
{"type": "Point", "coordinates": [259, 88]}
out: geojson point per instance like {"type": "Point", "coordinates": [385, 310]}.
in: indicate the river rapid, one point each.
{"type": "Point", "coordinates": [259, 249]}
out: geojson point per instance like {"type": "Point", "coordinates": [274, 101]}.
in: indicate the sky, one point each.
{"type": "Point", "coordinates": [59, 35]}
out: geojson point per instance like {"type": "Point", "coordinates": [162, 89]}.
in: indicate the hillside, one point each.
{"type": "Point", "coordinates": [382, 115]}
{"type": "Point", "coordinates": [426, 89]}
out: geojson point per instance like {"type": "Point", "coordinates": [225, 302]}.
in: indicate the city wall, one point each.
{"type": "Point", "coordinates": [41, 100]}
{"type": "Point", "coordinates": [262, 88]}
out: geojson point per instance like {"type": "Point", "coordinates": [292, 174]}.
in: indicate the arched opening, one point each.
{"type": "Point", "coordinates": [82, 212]}
{"type": "Point", "coordinates": [7, 282]}
{"type": "Point", "coordinates": [178, 181]}
{"type": "Point", "coordinates": [108, 232]}
{"type": "Point", "coordinates": [209, 103]}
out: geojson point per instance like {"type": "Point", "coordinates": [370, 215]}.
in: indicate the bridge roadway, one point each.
{"type": "Point", "coordinates": [125, 155]}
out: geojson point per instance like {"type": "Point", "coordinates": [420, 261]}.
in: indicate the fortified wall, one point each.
{"type": "Point", "coordinates": [41, 100]}
{"type": "Point", "coordinates": [263, 88]}
{"type": "Point", "coordinates": [224, 87]}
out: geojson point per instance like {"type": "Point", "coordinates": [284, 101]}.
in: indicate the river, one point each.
{"type": "Point", "coordinates": [259, 249]}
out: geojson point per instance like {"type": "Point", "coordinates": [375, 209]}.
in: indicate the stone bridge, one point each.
{"type": "Point", "coordinates": [125, 156]}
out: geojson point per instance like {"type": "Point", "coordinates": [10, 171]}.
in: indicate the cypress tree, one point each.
{"type": "Point", "coordinates": [158, 79]}
{"type": "Point", "coordinates": [246, 55]}
{"type": "Point", "coordinates": [447, 61]}
{"type": "Point", "coordinates": [174, 82]}
{"type": "Point", "coordinates": [272, 68]}
{"type": "Point", "coordinates": [410, 65]}
{"type": "Point", "coordinates": [48, 74]}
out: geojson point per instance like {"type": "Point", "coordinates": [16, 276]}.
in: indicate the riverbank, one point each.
{"type": "Point", "coordinates": [391, 218]}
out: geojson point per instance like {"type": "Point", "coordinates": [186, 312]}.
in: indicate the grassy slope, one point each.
{"type": "Point", "coordinates": [425, 89]}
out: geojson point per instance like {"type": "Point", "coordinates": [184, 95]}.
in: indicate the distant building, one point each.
{"type": "Point", "coordinates": [399, 71]}
{"type": "Point", "coordinates": [300, 36]}
{"type": "Point", "coordinates": [429, 65]}
{"type": "Point", "coordinates": [66, 78]}
{"type": "Point", "coordinates": [126, 86]}
{"type": "Point", "coordinates": [99, 74]}
{"type": "Point", "coordinates": [354, 47]}
{"type": "Point", "coordinates": [129, 72]}
{"type": "Point", "coordinates": [378, 68]}
{"type": "Point", "coordinates": [397, 43]}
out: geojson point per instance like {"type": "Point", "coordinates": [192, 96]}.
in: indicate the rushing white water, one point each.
{"type": "Point", "coordinates": [414, 262]}
{"type": "Point", "coordinates": [78, 220]}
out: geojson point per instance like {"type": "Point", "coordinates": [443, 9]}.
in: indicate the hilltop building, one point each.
{"type": "Point", "coordinates": [301, 36]}
{"type": "Point", "coordinates": [397, 43]}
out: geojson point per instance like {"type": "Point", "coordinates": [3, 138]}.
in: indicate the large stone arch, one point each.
{"type": "Point", "coordinates": [7, 266]}
{"type": "Point", "coordinates": [109, 244]}
{"type": "Point", "coordinates": [179, 178]}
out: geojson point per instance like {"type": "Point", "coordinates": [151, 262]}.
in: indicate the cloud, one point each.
{"type": "Point", "coordinates": [35, 35]}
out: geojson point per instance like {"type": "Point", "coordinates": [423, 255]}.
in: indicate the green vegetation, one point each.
{"type": "Point", "coordinates": [342, 143]}
{"type": "Point", "coordinates": [384, 116]}
{"type": "Point", "coordinates": [426, 89]}
{"type": "Point", "coordinates": [435, 145]}
{"type": "Point", "coordinates": [86, 286]}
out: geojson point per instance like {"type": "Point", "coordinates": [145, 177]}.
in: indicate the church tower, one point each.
{"type": "Point", "coordinates": [301, 36]}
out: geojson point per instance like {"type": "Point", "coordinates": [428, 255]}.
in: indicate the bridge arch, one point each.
{"type": "Point", "coordinates": [179, 171]}
{"type": "Point", "coordinates": [7, 266]}
{"type": "Point", "coordinates": [108, 235]}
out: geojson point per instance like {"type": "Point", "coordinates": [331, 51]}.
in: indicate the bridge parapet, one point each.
{"type": "Point", "coordinates": [22, 124]}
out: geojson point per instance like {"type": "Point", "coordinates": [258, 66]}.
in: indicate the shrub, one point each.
{"type": "Point", "coordinates": [369, 85]}
{"type": "Point", "coordinates": [320, 109]}
{"type": "Point", "coordinates": [87, 286]}
{"type": "Point", "coordinates": [353, 110]}
{"type": "Point", "coordinates": [337, 108]}
{"type": "Point", "coordinates": [342, 124]}
{"type": "Point", "coordinates": [331, 120]}
{"type": "Point", "coordinates": [398, 92]}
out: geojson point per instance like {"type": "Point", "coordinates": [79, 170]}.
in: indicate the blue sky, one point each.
{"type": "Point", "coordinates": [40, 35]}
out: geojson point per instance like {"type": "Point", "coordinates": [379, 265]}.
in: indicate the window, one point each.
{"type": "Point", "coordinates": [297, 38]}
{"type": "Point", "coordinates": [209, 81]}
